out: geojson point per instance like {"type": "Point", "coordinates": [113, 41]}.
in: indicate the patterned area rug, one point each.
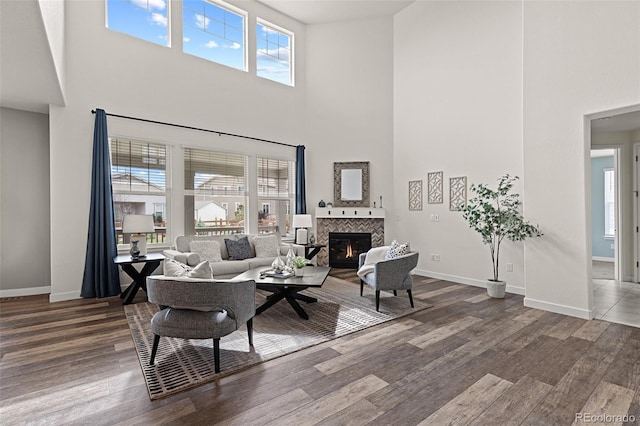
{"type": "Point", "coordinates": [182, 364]}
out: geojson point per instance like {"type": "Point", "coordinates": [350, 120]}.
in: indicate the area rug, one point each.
{"type": "Point", "coordinates": [182, 364]}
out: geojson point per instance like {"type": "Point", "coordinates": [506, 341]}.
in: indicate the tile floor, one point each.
{"type": "Point", "coordinates": [617, 301]}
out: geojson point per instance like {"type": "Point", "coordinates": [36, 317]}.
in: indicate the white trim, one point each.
{"type": "Point", "coordinates": [603, 259]}
{"type": "Point", "coordinates": [468, 281]}
{"type": "Point", "coordinates": [31, 291]}
{"type": "Point", "coordinates": [61, 297]}
{"type": "Point", "coordinates": [558, 309]}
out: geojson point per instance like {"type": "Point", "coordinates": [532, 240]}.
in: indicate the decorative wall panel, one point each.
{"type": "Point", "coordinates": [434, 187]}
{"type": "Point", "coordinates": [457, 193]}
{"type": "Point", "coordinates": [415, 195]}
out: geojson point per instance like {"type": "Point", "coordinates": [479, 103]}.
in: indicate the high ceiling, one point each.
{"type": "Point", "coordinates": [324, 11]}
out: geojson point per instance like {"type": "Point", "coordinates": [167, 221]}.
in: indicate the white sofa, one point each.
{"type": "Point", "coordinates": [226, 268]}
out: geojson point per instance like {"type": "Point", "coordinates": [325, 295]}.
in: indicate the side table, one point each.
{"type": "Point", "coordinates": [151, 262]}
{"type": "Point", "coordinates": [310, 250]}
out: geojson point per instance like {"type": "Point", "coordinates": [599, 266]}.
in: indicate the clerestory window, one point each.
{"type": "Point", "coordinates": [274, 53]}
{"type": "Point", "coordinates": [144, 19]}
{"type": "Point", "coordinates": [215, 31]}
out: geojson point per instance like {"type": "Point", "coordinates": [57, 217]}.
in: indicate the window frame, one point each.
{"type": "Point", "coordinates": [149, 9]}
{"type": "Point", "coordinates": [284, 31]}
{"type": "Point", "coordinates": [245, 38]}
{"type": "Point", "coordinates": [609, 202]}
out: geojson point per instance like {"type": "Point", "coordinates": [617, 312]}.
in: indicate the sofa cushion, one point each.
{"type": "Point", "coordinates": [177, 269]}
{"type": "Point", "coordinates": [266, 246]}
{"type": "Point", "coordinates": [256, 262]}
{"type": "Point", "coordinates": [229, 267]}
{"type": "Point", "coordinates": [238, 250]}
{"type": "Point", "coordinates": [208, 250]}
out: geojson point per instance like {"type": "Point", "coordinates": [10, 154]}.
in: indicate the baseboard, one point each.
{"type": "Point", "coordinates": [31, 291]}
{"type": "Point", "coordinates": [558, 309]}
{"type": "Point", "coordinates": [628, 278]}
{"type": "Point", "coordinates": [468, 281]}
{"type": "Point", "coordinates": [603, 259]}
{"type": "Point", "coordinates": [61, 297]}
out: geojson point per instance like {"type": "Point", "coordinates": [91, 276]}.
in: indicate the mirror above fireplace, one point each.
{"type": "Point", "coordinates": [351, 184]}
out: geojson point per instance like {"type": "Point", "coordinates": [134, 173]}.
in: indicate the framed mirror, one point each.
{"type": "Point", "coordinates": [351, 184]}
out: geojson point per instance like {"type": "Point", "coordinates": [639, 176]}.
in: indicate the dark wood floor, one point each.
{"type": "Point", "coordinates": [467, 360]}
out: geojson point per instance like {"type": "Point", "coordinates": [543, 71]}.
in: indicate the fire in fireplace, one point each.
{"type": "Point", "coordinates": [345, 248]}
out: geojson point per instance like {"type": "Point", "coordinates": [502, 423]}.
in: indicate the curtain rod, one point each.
{"type": "Point", "coordinates": [182, 126]}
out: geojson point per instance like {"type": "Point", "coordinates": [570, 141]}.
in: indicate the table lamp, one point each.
{"type": "Point", "coordinates": [138, 225]}
{"type": "Point", "coordinates": [302, 222]}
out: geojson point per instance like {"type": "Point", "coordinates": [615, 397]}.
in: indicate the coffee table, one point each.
{"type": "Point", "coordinates": [287, 288]}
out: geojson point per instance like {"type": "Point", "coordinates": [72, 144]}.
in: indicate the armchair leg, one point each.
{"type": "Point", "coordinates": [395, 292]}
{"type": "Point", "coordinates": [216, 354]}
{"type": "Point", "coordinates": [361, 287]}
{"type": "Point", "coordinates": [377, 300]}
{"type": "Point", "coordinates": [154, 349]}
{"type": "Point", "coordinates": [250, 331]}
{"type": "Point", "coordinates": [410, 297]}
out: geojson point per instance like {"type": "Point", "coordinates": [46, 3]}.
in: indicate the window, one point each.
{"type": "Point", "coordinates": [274, 53]}
{"type": "Point", "coordinates": [609, 203]}
{"type": "Point", "coordinates": [215, 31]}
{"type": "Point", "coordinates": [145, 19]}
{"type": "Point", "coordinates": [138, 179]}
{"type": "Point", "coordinates": [275, 192]}
{"type": "Point", "coordinates": [213, 179]}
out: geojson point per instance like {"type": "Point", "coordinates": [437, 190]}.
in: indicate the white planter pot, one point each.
{"type": "Point", "coordinates": [299, 272]}
{"type": "Point", "coordinates": [496, 288]}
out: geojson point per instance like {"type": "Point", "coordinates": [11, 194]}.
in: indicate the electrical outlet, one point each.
{"type": "Point", "coordinates": [435, 257]}
{"type": "Point", "coordinates": [509, 267]}
{"type": "Point", "coordinates": [436, 218]}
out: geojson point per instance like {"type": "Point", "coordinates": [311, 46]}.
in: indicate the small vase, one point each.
{"type": "Point", "coordinates": [290, 256]}
{"type": "Point", "coordinates": [135, 251]}
{"type": "Point", "coordinates": [278, 265]}
{"type": "Point", "coordinates": [299, 272]}
{"type": "Point", "coordinates": [321, 203]}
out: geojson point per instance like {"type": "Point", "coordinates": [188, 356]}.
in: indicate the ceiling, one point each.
{"type": "Point", "coordinates": [324, 11]}
{"type": "Point", "coordinates": [628, 122]}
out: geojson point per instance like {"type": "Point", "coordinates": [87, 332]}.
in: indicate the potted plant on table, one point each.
{"type": "Point", "coordinates": [495, 215]}
{"type": "Point", "coordinates": [299, 263]}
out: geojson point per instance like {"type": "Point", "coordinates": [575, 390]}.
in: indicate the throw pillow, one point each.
{"type": "Point", "coordinates": [238, 250]}
{"type": "Point", "coordinates": [266, 246]}
{"type": "Point", "coordinates": [177, 269]}
{"type": "Point", "coordinates": [208, 250]}
{"type": "Point", "coordinates": [396, 249]}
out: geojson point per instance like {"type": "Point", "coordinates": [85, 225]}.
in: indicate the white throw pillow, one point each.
{"type": "Point", "coordinates": [396, 250]}
{"type": "Point", "coordinates": [208, 250]}
{"type": "Point", "coordinates": [177, 269]}
{"type": "Point", "coordinates": [266, 246]}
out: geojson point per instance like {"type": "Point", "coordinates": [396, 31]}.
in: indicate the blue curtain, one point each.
{"type": "Point", "coordinates": [100, 273]}
{"type": "Point", "coordinates": [301, 191]}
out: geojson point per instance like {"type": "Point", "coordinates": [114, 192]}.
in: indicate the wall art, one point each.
{"type": "Point", "coordinates": [434, 188]}
{"type": "Point", "coordinates": [457, 193]}
{"type": "Point", "coordinates": [415, 195]}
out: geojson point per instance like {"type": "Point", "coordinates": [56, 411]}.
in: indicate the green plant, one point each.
{"type": "Point", "coordinates": [299, 262]}
{"type": "Point", "coordinates": [495, 215]}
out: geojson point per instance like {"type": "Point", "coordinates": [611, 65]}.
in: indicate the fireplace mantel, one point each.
{"type": "Point", "coordinates": [349, 213]}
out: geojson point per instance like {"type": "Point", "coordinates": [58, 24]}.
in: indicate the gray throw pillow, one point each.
{"type": "Point", "coordinates": [238, 250]}
{"type": "Point", "coordinates": [208, 250]}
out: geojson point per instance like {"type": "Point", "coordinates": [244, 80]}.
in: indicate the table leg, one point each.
{"type": "Point", "coordinates": [296, 306]}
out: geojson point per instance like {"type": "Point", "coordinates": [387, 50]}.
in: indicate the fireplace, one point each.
{"type": "Point", "coordinates": [345, 248]}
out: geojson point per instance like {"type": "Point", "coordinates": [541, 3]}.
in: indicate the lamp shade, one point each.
{"type": "Point", "coordinates": [137, 224]}
{"type": "Point", "coordinates": [302, 221]}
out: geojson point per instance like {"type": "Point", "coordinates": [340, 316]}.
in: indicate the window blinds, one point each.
{"type": "Point", "coordinates": [138, 166]}
{"type": "Point", "coordinates": [275, 178]}
{"type": "Point", "coordinates": [214, 173]}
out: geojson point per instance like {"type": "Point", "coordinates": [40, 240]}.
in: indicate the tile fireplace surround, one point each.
{"type": "Point", "coordinates": [348, 219]}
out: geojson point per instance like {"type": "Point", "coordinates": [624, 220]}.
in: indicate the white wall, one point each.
{"type": "Point", "coordinates": [350, 105]}
{"type": "Point", "coordinates": [457, 109]}
{"type": "Point", "coordinates": [24, 203]}
{"type": "Point", "coordinates": [485, 88]}
{"type": "Point", "coordinates": [579, 58]}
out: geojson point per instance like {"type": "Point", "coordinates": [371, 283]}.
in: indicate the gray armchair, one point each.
{"type": "Point", "coordinates": [390, 275]}
{"type": "Point", "coordinates": [200, 309]}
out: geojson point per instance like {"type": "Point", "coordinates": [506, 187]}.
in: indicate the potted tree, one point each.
{"type": "Point", "coordinates": [495, 215]}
